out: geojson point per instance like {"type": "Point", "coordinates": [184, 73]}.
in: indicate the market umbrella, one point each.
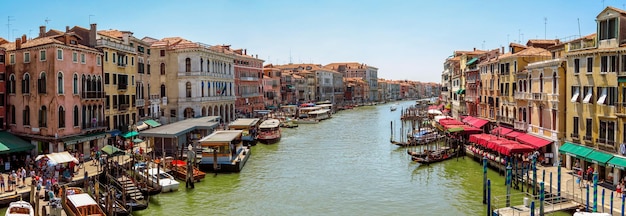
{"type": "Point", "coordinates": [434, 112]}
{"type": "Point", "coordinates": [112, 150]}
{"type": "Point", "coordinates": [179, 163]}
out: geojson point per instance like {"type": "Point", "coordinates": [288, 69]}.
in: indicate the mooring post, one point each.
{"type": "Point", "coordinates": [508, 186]}
{"type": "Point", "coordinates": [485, 180]}
{"type": "Point", "coordinates": [489, 197]}
{"type": "Point", "coordinates": [534, 176]}
{"type": "Point", "coordinates": [550, 182]}
{"type": "Point", "coordinates": [541, 198]}
{"type": "Point", "coordinates": [623, 196]}
{"type": "Point", "coordinates": [558, 180]}
{"type": "Point", "coordinates": [587, 202]}
{"type": "Point", "coordinates": [595, 191]}
{"type": "Point", "coordinates": [532, 208]}
{"type": "Point", "coordinates": [602, 199]}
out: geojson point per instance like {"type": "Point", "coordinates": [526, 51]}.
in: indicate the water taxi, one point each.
{"type": "Point", "coordinates": [249, 126]}
{"type": "Point", "coordinates": [20, 208]}
{"type": "Point", "coordinates": [223, 151]}
{"type": "Point", "coordinates": [393, 107]}
{"type": "Point", "coordinates": [269, 131]}
{"type": "Point", "coordinates": [157, 177]}
{"type": "Point", "coordinates": [81, 204]}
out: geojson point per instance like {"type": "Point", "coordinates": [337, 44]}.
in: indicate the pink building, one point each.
{"type": "Point", "coordinates": [272, 87]}
{"type": "Point", "coordinates": [55, 91]}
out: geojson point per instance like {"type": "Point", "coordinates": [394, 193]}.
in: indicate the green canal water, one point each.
{"type": "Point", "coordinates": [341, 166]}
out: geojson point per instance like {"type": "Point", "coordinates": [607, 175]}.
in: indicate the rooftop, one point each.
{"type": "Point", "coordinates": [179, 128]}
{"type": "Point", "coordinates": [221, 136]}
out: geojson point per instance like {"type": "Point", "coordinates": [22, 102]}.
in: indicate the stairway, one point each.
{"type": "Point", "coordinates": [131, 189]}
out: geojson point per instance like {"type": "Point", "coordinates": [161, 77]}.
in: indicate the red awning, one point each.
{"type": "Point", "coordinates": [448, 121]}
{"type": "Point", "coordinates": [482, 139]}
{"type": "Point", "coordinates": [533, 141]}
{"type": "Point", "coordinates": [467, 119]}
{"type": "Point", "coordinates": [470, 130]}
{"type": "Point", "coordinates": [514, 148]}
{"type": "Point", "coordinates": [513, 134]}
{"type": "Point", "coordinates": [478, 123]}
{"type": "Point", "coordinates": [501, 130]}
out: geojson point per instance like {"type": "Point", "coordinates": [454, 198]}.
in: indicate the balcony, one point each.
{"type": "Point", "coordinates": [587, 138]}
{"type": "Point", "coordinates": [114, 45]}
{"type": "Point", "coordinates": [575, 137]}
{"type": "Point", "coordinates": [250, 94]}
{"type": "Point", "coordinates": [92, 95]}
{"type": "Point", "coordinates": [249, 78]}
{"type": "Point", "coordinates": [93, 126]}
{"type": "Point", "coordinates": [124, 107]}
{"type": "Point", "coordinates": [582, 44]}
{"type": "Point", "coordinates": [122, 86]}
{"type": "Point", "coordinates": [553, 97]}
{"type": "Point", "coordinates": [140, 102]}
{"type": "Point", "coordinates": [520, 125]}
{"type": "Point", "coordinates": [520, 95]}
{"type": "Point", "coordinates": [620, 109]}
{"type": "Point", "coordinates": [539, 96]}
{"type": "Point", "coordinates": [205, 74]}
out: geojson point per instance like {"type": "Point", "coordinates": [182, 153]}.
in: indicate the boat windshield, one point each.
{"type": "Point", "coordinates": [164, 176]}
{"type": "Point", "coordinates": [19, 210]}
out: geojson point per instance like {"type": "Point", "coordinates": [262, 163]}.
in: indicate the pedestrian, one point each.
{"type": "Point", "coordinates": [618, 189]}
{"type": "Point", "coordinates": [2, 188]}
{"type": "Point", "coordinates": [23, 176]}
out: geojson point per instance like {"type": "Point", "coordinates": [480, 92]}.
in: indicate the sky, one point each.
{"type": "Point", "coordinates": [405, 40]}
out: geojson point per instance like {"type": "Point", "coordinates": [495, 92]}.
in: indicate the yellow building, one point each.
{"type": "Point", "coordinates": [120, 67]}
{"type": "Point", "coordinates": [489, 88]}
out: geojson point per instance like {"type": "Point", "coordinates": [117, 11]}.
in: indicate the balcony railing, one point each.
{"type": "Point", "coordinates": [520, 95]}
{"type": "Point", "coordinates": [582, 44]}
{"type": "Point", "coordinates": [114, 45]}
{"type": "Point", "coordinates": [248, 78]}
{"type": "Point", "coordinates": [574, 136]}
{"type": "Point", "coordinates": [553, 97]}
{"type": "Point", "coordinates": [140, 102]}
{"type": "Point", "coordinates": [92, 94]}
{"type": "Point", "coordinates": [123, 107]}
{"type": "Point", "coordinates": [93, 125]}
{"type": "Point", "coordinates": [211, 74]}
{"type": "Point", "coordinates": [250, 94]}
{"type": "Point", "coordinates": [122, 86]}
{"type": "Point", "coordinates": [539, 96]}
{"type": "Point", "coordinates": [587, 138]}
{"type": "Point", "coordinates": [520, 125]}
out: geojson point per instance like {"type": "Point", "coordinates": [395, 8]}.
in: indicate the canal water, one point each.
{"type": "Point", "coordinates": [341, 166]}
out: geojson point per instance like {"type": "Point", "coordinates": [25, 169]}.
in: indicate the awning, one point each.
{"type": "Point", "coordinates": [142, 126]}
{"type": "Point", "coordinates": [533, 140]}
{"type": "Point", "coordinates": [13, 143]}
{"type": "Point", "coordinates": [501, 131]}
{"type": "Point", "coordinates": [152, 123]}
{"type": "Point", "coordinates": [598, 157]}
{"type": "Point", "coordinates": [513, 134]}
{"type": "Point", "coordinates": [617, 162]}
{"type": "Point", "coordinates": [478, 123]}
{"type": "Point", "coordinates": [114, 132]}
{"type": "Point", "coordinates": [137, 140]}
{"type": "Point", "coordinates": [59, 158]}
{"type": "Point", "coordinates": [455, 129]}
{"type": "Point", "coordinates": [112, 150]}
{"type": "Point", "coordinates": [621, 79]}
{"type": "Point", "coordinates": [461, 91]}
{"type": "Point", "coordinates": [471, 61]}
{"type": "Point", "coordinates": [575, 150]}
{"type": "Point", "coordinates": [291, 87]}
{"type": "Point", "coordinates": [83, 138]}
{"type": "Point", "coordinates": [130, 134]}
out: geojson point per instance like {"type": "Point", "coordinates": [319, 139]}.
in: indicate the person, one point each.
{"type": "Point", "coordinates": [23, 176]}
{"type": "Point", "coordinates": [618, 189]}
{"type": "Point", "coordinates": [93, 157]}
{"type": "Point", "coordinates": [2, 182]}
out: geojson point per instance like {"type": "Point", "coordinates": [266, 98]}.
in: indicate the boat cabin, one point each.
{"type": "Point", "coordinates": [319, 114]}
{"type": "Point", "coordinates": [326, 106]}
{"type": "Point", "coordinates": [82, 205]}
{"type": "Point", "coordinates": [222, 148]}
{"type": "Point", "coordinates": [289, 110]}
{"type": "Point", "coordinates": [304, 111]}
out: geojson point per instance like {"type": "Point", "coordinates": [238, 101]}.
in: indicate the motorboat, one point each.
{"type": "Point", "coordinates": [20, 208]}
{"type": "Point", "coordinates": [269, 131]}
{"type": "Point", "coordinates": [157, 176]}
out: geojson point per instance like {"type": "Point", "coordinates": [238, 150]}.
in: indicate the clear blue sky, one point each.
{"type": "Point", "coordinates": [404, 39]}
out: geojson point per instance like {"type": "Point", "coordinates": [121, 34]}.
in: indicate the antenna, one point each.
{"type": "Point", "coordinates": [290, 62]}
{"type": "Point", "coordinates": [519, 35]}
{"type": "Point", "coordinates": [483, 47]}
{"type": "Point", "coordinates": [9, 19]}
{"type": "Point", "coordinates": [29, 30]}
{"type": "Point", "coordinates": [545, 27]}
{"type": "Point", "coordinates": [579, 35]}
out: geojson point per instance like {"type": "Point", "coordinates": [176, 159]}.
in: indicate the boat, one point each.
{"type": "Point", "coordinates": [419, 154]}
{"type": "Point", "coordinates": [179, 170]}
{"type": "Point", "coordinates": [157, 177]}
{"type": "Point", "coordinates": [124, 185]}
{"type": "Point", "coordinates": [445, 153]}
{"type": "Point", "coordinates": [80, 204]}
{"type": "Point", "coordinates": [223, 151]}
{"type": "Point", "coordinates": [393, 108]}
{"type": "Point", "coordinates": [288, 123]}
{"type": "Point", "coordinates": [269, 131]}
{"type": "Point", "coordinates": [249, 126]}
{"type": "Point", "coordinates": [20, 208]}
{"type": "Point", "coordinates": [591, 214]}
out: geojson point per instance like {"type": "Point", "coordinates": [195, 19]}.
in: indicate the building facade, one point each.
{"type": "Point", "coordinates": [248, 81]}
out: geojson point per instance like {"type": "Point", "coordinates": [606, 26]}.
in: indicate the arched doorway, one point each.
{"type": "Point", "coordinates": [211, 113]}
{"type": "Point", "coordinates": [204, 111]}
{"type": "Point", "coordinates": [189, 113]}
{"type": "Point", "coordinates": [222, 112]}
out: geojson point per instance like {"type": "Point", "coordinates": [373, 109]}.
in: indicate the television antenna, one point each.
{"type": "Point", "coordinates": [9, 19]}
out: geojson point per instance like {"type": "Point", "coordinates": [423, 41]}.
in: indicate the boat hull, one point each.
{"type": "Point", "coordinates": [227, 168]}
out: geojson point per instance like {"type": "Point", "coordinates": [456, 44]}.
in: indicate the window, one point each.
{"type": "Point", "coordinates": [187, 65]}
{"type": "Point", "coordinates": [60, 83]}
{"type": "Point", "coordinates": [588, 127]}
{"type": "Point", "coordinates": [576, 127]}
{"type": "Point", "coordinates": [43, 118]}
{"type": "Point", "coordinates": [41, 83]}
{"type": "Point", "coordinates": [1, 58]}
{"type": "Point", "coordinates": [608, 29]}
{"type": "Point", "coordinates": [162, 52]}
{"type": "Point", "coordinates": [12, 59]}
{"type": "Point", "coordinates": [148, 67]}
{"type": "Point", "coordinates": [59, 54]}
{"type": "Point", "coordinates": [515, 66]}
{"type": "Point", "coordinates": [26, 84]}
{"type": "Point", "coordinates": [1, 100]}
{"type": "Point", "coordinates": [42, 55]}
{"type": "Point", "coordinates": [132, 61]}
{"type": "Point", "coordinates": [12, 114]}
{"type": "Point", "coordinates": [74, 57]}
{"type": "Point", "coordinates": [188, 87]}
{"type": "Point", "coordinates": [26, 57]}
{"type": "Point", "coordinates": [576, 65]}
{"type": "Point", "coordinates": [106, 78]}
{"type": "Point", "coordinates": [589, 64]}
{"type": "Point", "coordinates": [11, 86]}
{"type": "Point", "coordinates": [162, 68]}
{"type": "Point", "coordinates": [75, 84]}
{"type": "Point", "coordinates": [575, 94]}
{"type": "Point", "coordinates": [107, 102]}
{"type": "Point", "coordinates": [75, 116]}
{"type": "Point", "coordinates": [98, 60]}
{"type": "Point", "coordinates": [61, 117]}
{"type": "Point", "coordinates": [26, 115]}
{"type": "Point", "coordinates": [82, 58]}
{"type": "Point", "coordinates": [113, 57]}
{"type": "Point", "coordinates": [106, 56]}
{"type": "Point", "coordinates": [606, 132]}
{"type": "Point", "coordinates": [162, 90]}
{"type": "Point", "coordinates": [554, 83]}
{"type": "Point", "coordinates": [588, 94]}
{"type": "Point", "coordinates": [115, 101]}
{"type": "Point", "coordinates": [611, 98]}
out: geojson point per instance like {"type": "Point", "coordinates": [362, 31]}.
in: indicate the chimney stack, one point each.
{"type": "Point", "coordinates": [502, 49]}
{"type": "Point", "coordinates": [24, 38]}
{"type": "Point", "coordinates": [18, 43]}
{"type": "Point", "coordinates": [92, 34]}
{"type": "Point", "coordinates": [474, 48]}
{"type": "Point", "coordinates": [42, 31]}
{"type": "Point", "coordinates": [67, 28]}
{"type": "Point", "coordinates": [245, 52]}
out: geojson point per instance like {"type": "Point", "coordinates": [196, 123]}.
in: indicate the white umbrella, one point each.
{"type": "Point", "coordinates": [435, 112]}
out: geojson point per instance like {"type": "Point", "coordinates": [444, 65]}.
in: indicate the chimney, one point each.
{"type": "Point", "coordinates": [67, 28]}
{"type": "Point", "coordinates": [256, 56]}
{"type": "Point", "coordinates": [24, 38]}
{"type": "Point", "coordinates": [92, 35]}
{"type": "Point", "coordinates": [42, 31]}
{"type": "Point", "coordinates": [474, 48]}
{"type": "Point", "coordinates": [502, 49]}
{"type": "Point", "coordinates": [66, 39]}
{"type": "Point", "coordinates": [18, 43]}
{"type": "Point", "coordinates": [245, 52]}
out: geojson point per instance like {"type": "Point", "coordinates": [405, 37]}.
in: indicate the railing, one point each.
{"type": "Point", "coordinates": [122, 86]}
{"type": "Point", "coordinates": [575, 136]}
{"type": "Point", "coordinates": [92, 94]}
{"type": "Point", "coordinates": [140, 102]}
{"type": "Point", "coordinates": [553, 97]}
{"type": "Point", "coordinates": [520, 95]}
{"type": "Point", "coordinates": [152, 97]}
{"type": "Point", "coordinates": [86, 126]}
{"type": "Point", "coordinates": [215, 75]}
{"type": "Point", "coordinates": [250, 94]}
{"type": "Point", "coordinates": [204, 99]}
{"type": "Point", "coordinates": [539, 96]}
{"type": "Point", "coordinates": [114, 45]}
{"type": "Point", "coordinates": [520, 125]}
{"type": "Point", "coordinates": [582, 44]}
{"type": "Point", "coordinates": [249, 78]}
{"type": "Point", "coordinates": [587, 138]}
{"type": "Point", "coordinates": [123, 107]}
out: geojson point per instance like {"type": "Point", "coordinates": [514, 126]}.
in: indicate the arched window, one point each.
{"type": "Point", "coordinates": [208, 65]}
{"type": "Point", "coordinates": [541, 82]}
{"type": "Point", "coordinates": [43, 119]}
{"type": "Point", "coordinates": [60, 83]}
{"type": "Point", "coordinates": [188, 89]}
{"type": "Point", "coordinates": [162, 90]}
{"type": "Point", "coordinates": [201, 65]}
{"type": "Point", "coordinates": [12, 84]}
{"type": "Point", "coordinates": [41, 85]}
{"type": "Point", "coordinates": [26, 84]}
{"type": "Point", "coordinates": [554, 83]}
{"type": "Point", "coordinates": [202, 88]}
{"type": "Point", "coordinates": [162, 68]}
{"type": "Point", "coordinates": [75, 84]}
{"type": "Point", "coordinates": [76, 116]}
{"type": "Point", "coordinates": [187, 65]}
{"type": "Point", "coordinates": [26, 115]}
{"type": "Point", "coordinates": [12, 114]}
{"type": "Point", "coordinates": [525, 86]}
{"type": "Point", "coordinates": [61, 117]}
{"type": "Point", "coordinates": [530, 83]}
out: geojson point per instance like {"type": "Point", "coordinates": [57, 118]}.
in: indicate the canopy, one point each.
{"type": "Point", "coordinates": [476, 122]}
{"type": "Point", "coordinates": [439, 117]}
{"type": "Point", "coordinates": [482, 139]}
{"type": "Point", "coordinates": [533, 141]}
{"type": "Point", "coordinates": [575, 150]}
{"type": "Point", "coordinates": [130, 134]}
{"type": "Point", "coordinates": [434, 112]}
{"type": "Point", "coordinates": [471, 61]}
{"type": "Point", "coordinates": [513, 134]}
{"type": "Point", "coordinates": [514, 148]}
{"type": "Point", "coordinates": [617, 162]}
{"type": "Point", "coordinates": [58, 158]}
{"type": "Point", "coordinates": [10, 143]}
{"type": "Point", "coordinates": [465, 129]}
{"type": "Point", "coordinates": [598, 157]}
{"type": "Point", "coordinates": [152, 123]}
{"type": "Point", "coordinates": [449, 121]}
{"type": "Point", "coordinates": [112, 150]}
{"type": "Point", "coordinates": [501, 131]}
